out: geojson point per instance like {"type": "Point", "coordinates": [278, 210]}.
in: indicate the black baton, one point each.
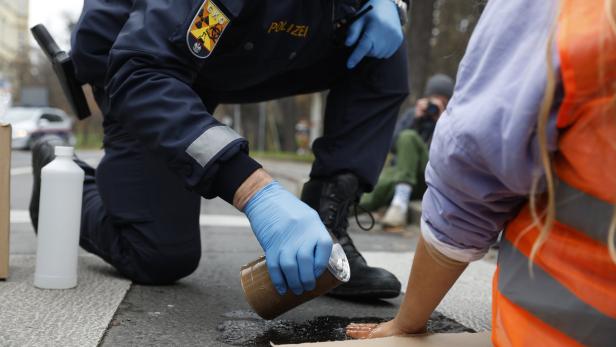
{"type": "Point", "coordinates": [63, 67]}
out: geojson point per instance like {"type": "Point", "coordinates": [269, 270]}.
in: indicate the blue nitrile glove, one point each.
{"type": "Point", "coordinates": [378, 32]}
{"type": "Point", "coordinates": [297, 246]}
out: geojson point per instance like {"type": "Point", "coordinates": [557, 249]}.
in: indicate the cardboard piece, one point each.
{"type": "Point", "coordinates": [5, 198]}
{"type": "Point", "coordinates": [430, 340]}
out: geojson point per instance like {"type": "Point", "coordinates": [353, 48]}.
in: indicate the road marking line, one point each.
{"type": "Point", "coordinates": [92, 161]}
{"type": "Point", "coordinates": [21, 171]}
{"type": "Point", "coordinates": [19, 217]}
{"type": "Point", "coordinates": [221, 220]}
{"type": "Point", "coordinates": [27, 170]}
{"type": "Point", "coordinates": [205, 220]}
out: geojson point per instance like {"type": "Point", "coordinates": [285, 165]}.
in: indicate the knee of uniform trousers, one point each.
{"type": "Point", "coordinates": [160, 267]}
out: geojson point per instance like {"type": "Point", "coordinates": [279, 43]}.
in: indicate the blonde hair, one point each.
{"type": "Point", "coordinates": [545, 220]}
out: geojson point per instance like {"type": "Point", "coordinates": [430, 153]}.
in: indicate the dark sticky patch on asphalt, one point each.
{"type": "Point", "coordinates": [244, 328]}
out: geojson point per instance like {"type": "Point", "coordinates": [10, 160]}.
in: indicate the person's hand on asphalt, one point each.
{"type": "Point", "coordinates": [297, 246]}
{"type": "Point", "coordinates": [374, 330]}
{"type": "Point", "coordinates": [377, 34]}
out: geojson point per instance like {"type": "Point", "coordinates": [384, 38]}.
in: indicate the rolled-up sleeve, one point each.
{"type": "Point", "coordinates": [484, 157]}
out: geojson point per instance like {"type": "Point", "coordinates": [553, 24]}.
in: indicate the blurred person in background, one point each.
{"type": "Point", "coordinates": [404, 178]}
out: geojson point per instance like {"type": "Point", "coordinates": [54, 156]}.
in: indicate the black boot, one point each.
{"type": "Point", "coordinates": [332, 198]}
{"type": "Point", "coordinates": [42, 154]}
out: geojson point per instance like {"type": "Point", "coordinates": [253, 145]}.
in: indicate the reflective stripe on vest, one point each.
{"type": "Point", "coordinates": [583, 212]}
{"type": "Point", "coordinates": [573, 284]}
{"type": "Point", "coordinates": [548, 300]}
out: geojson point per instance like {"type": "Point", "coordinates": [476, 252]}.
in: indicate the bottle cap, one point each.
{"type": "Point", "coordinates": [63, 151]}
{"type": "Point", "coordinates": [339, 264]}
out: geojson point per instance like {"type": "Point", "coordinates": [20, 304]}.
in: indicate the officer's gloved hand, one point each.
{"type": "Point", "coordinates": [378, 32]}
{"type": "Point", "coordinates": [297, 246]}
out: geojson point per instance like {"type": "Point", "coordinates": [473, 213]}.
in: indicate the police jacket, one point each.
{"type": "Point", "coordinates": [158, 61]}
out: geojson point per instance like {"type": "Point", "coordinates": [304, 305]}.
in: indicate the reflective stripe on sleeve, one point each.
{"type": "Point", "coordinates": [210, 143]}
{"type": "Point", "coordinates": [583, 212]}
{"type": "Point", "coordinates": [545, 298]}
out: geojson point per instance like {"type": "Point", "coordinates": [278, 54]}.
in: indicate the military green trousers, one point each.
{"type": "Point", "coordinates": [410, 164]}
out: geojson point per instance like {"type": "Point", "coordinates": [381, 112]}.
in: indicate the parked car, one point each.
{"type": "Point", "coordinates": [32, 123]}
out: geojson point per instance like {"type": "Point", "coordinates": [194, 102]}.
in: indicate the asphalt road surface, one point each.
{"type": "Point", "coordinates": [208, 308]}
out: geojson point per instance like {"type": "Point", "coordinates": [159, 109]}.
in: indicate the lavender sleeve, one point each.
{"type": "Point", "coordinates": [484, 156]}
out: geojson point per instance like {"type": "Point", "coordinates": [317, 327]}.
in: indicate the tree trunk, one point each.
{"type": "Point", "coordinates": [455, 23]}
{"type": "Point", "coordinates": [250, 124]}
{"type": "Point", "coordinates": [419, 35]}
{"type": "Point", "coordinates": [316, 117]}
{"type": "Point", "coordinates": [287, 121]}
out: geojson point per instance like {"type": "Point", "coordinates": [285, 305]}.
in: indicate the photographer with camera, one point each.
{"type": "Point", "coordinates": [404, 178]}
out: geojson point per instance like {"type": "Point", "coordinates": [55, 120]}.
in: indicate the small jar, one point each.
{"type": "Point", "coordinates": [269, 304]}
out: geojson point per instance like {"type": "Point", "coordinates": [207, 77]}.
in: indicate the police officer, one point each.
{"type": "Point", "coordinates": [159, 68]}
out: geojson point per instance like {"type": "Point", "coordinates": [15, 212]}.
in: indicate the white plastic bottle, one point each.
{"type": "Point", "coordinates": [59, 222]}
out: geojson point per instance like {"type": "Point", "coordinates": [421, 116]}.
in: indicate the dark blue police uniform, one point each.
{"type": "Point", "coordinates": [159, 68]}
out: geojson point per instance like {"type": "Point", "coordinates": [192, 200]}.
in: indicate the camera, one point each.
{"type": "Point", "coordinates": [432, 111]}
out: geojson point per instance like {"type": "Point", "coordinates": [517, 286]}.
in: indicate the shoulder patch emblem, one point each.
{"type": "Point", "coordinates": [206, 29]}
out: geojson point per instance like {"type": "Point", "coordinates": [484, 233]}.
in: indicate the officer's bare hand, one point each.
{"type": "Point", "coordinates": [297, 246]}
{"type": "Point", "coordinates": [377, 34]}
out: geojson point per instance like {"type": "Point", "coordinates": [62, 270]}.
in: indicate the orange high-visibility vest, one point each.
{"type": "Point", "coordinates": [570, 297]}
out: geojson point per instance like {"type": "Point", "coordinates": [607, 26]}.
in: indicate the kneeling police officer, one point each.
{"type": "Point", "coordinates": [159, 68]}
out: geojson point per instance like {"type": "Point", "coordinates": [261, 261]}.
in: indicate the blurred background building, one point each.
{"type": "Point", "coordinates": [14, 41]}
